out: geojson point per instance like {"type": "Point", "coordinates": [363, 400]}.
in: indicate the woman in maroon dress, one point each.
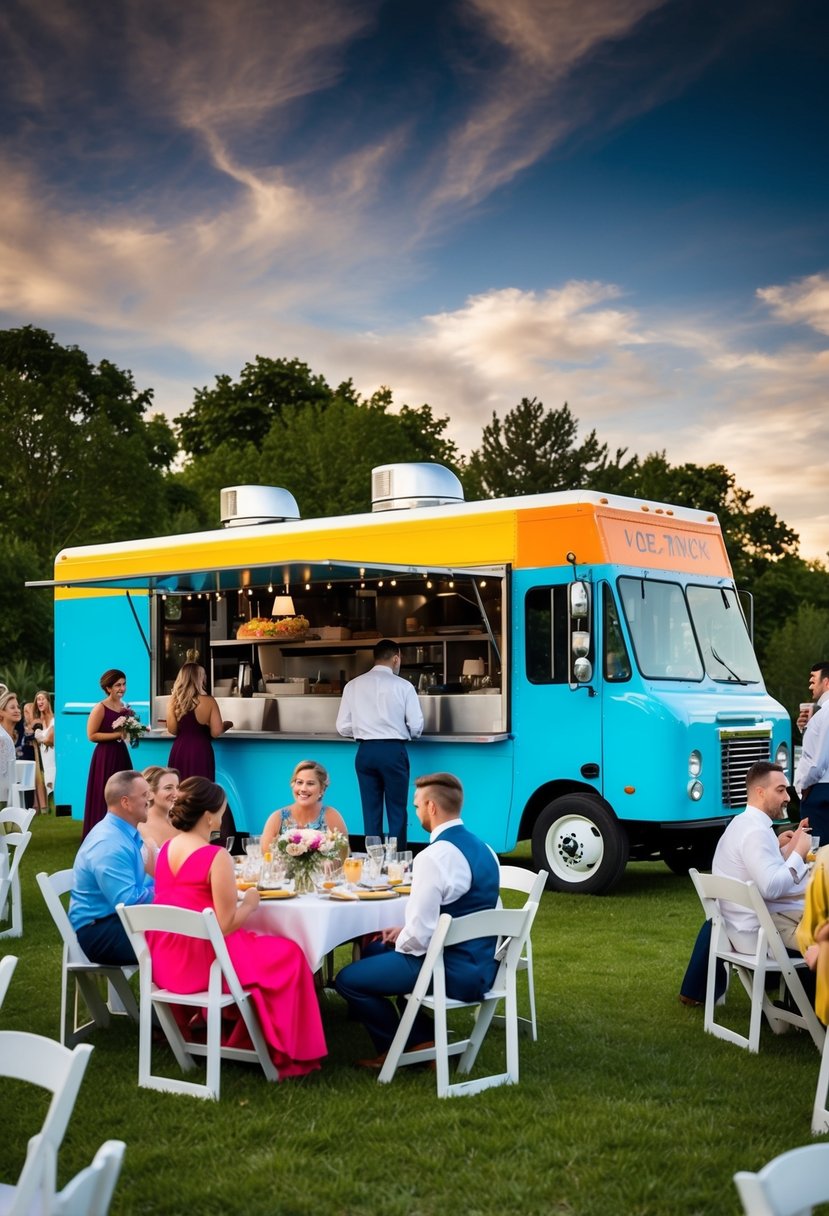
{"type": "Point", "coordinates": [111, 754]}
{"type": "Point", "coordinates": [194, 718]}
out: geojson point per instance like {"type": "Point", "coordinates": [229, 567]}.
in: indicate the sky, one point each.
{"type": "Point", "coordinates": [620, 204]}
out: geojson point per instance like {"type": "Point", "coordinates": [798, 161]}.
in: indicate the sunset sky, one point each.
{"type": "Point", "coordinates": [621, 204]}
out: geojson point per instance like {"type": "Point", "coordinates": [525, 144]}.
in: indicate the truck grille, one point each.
{"type": "Point", "coordinates": [739, 752]}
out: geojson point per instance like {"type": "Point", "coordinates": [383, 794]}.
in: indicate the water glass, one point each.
{"type": "Point", "coordinates": [376, 853]}
{"type": "Point", "coordinates": [373, 842]}
{"type": "Point", "coordinates": [813, 848]}
{"type": "Point", "coordinates": [391, 848]}
{"type": "Point", "coordinates": [395, 871]}
{"type": "Point", "coordinates": [406, 858]}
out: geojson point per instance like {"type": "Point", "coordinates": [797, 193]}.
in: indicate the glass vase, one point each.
{"type": "Point", "coordinates": [303, 880]}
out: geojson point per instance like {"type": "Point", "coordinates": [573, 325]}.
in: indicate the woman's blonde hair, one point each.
{"type": "Point", "coordinates": [153, 774]}
{"type": "Point", "coordinates": [320, 773]}
{"type": "Point", "coordinates": [187, 689]}
{"type": "Point", "coordinates": [5, 696]}
{"type": "Point", "coordinates": [45, 695]}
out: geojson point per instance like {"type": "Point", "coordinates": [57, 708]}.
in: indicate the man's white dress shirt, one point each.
{"type": "Point", "coordinates": [813, 765]}
{"type": "Point", "coordinates": [380, 705]}
{"type": "Point", "coordinates": [749, 850]}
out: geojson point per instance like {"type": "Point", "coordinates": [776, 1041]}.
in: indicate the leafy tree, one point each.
{"type": "Point", "coordinates": [323, 453]}
{"type": "Point", "coordinates": [534, 451]}
{"type": "Point", "coordinates": [244, 411]}
{"type": "Point", "coordinates": [25, 616]}
{"type": "Point", "coordinates": [800, 641]}
{"type": "Point", "coordinates": [80, 462]}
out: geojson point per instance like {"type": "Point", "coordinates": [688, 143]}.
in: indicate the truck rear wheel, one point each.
{"type": "Point", "coordinates": [584, 848]}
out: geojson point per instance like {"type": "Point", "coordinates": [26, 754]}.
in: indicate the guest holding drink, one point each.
{"type": "Point", "coordinates": [163, 783]}
{"type": "Point", "coordinates": [457, 873]}
{"type": "Point", "coordinates": [309, 781]}
{"type": "Point", "coordinates": [111, 754]}
{"type": "Point", "coordinates": [192, 873]}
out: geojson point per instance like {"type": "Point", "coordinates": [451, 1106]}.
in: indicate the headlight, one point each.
{"type": "Point", "coordinates": [781, 756]}
{"type": "Point", "coordinates": [694, 764]}
{"type": "Point", "coordinates": [695, 790]}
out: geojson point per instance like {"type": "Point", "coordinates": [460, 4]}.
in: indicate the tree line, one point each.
{"type": "Point", "coordinates": [87, 460]}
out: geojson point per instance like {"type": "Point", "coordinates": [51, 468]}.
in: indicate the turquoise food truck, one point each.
{"type": "Point", "coordinates": [582, 659]}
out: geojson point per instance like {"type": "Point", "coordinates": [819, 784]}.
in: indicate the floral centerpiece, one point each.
{"type": "Point", "coordinates": [293, 628]}
{"type": "Point", "coordinates": [132, 726]}
{"type": "Point", "coordinates": [305, 850]}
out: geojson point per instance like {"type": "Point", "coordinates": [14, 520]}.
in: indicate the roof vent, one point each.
{"type": "Point", "coordinates": [399, 487]}
{"type": "Point", "coordinates": [243, 505]}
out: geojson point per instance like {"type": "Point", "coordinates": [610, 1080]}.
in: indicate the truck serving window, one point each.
{"type": "Point", "coordinates": [615, 654]}
{"type": "Point", "coordinates": [660, 628]}
{"type": "Point", "coordinates": [545, 620]}
{"type": "Point", "coordinates": [722, 634]}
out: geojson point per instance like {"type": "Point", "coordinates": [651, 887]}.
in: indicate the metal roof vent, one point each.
{"type": "Point", "coordinates": [243, 505]}
{"type": "Point", "coordinates": [399, 487]}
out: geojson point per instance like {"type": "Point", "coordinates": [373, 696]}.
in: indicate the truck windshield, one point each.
{"type": "Point", "coordinates": [660, 628]}
{"type": "Point", "coordinates": [722, 634]}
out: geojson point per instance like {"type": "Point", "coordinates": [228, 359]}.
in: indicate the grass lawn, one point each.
{"type": "Point", "coordinates": [625, 1105]}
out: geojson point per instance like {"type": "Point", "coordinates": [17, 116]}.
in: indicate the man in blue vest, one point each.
{"type": "Point", "coordinates": [457, 874]}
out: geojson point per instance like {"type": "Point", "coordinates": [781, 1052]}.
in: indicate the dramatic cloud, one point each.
{"type": "Point", "coordinates": [805, 301]}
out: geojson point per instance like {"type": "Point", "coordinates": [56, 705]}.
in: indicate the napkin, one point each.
{"type": "Point", "coordinates": [338, 894]}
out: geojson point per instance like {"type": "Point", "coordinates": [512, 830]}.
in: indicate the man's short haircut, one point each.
{"type": "Point", "coordinates": [444, 789]}
{"type": "Point", "coordinates": [120, 786]}
{"type": "Point", "coordinates": [759, 771]}
{"type": "Point", "coordinates": [822, 667]}
{"type": "Point", "coordinates": [385, 649]}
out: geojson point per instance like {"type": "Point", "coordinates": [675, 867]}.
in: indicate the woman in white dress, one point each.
{"type": "Point", "coordinates": [9, 717]}
{"type": "Point", "coordinates": [45, 741]}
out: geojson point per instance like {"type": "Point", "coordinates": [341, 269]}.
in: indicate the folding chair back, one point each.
{"type": "Point", "coordinates": [7, 966]}
{"type": "Point", "coordinates": [515, 878]}
{"type": "Point", "coordinates": [203, 926]}
{"type": "Point", "coordinates": [511, 928]}
{"type": "Point", "coordinates": [790, 1185]}
{"type": "Point", "coordinates": [13, 845]}
{"type": "Point", "coordinates": [24, 781]}
{"type": "Point", "coordinates": [83, 975]}
{"type": "Point", "coordinates": [90, 1191]}
{"type": "Point", "coordinates": [16, 819]}
{"type": "Point", "coordinates": [770, 957]}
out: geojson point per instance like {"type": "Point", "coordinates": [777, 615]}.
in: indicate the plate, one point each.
{"type": "Point", "coordinates": [403, 890]}
{"type": "Point", "coordinates": [277, 894]}
{"type": "Point", "coordinates": [377, 895]}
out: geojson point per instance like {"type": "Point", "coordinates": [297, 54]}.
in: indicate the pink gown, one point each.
{"type": "Point", "coordinates": [273, 969]}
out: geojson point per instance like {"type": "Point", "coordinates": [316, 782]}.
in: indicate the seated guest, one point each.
{"type": "Point", "coordinates": [109, 870]}
{"type": "Point", "coordinates": [192, 873]}
{"type": "Point", "coordinates": [749, 850]}
{"type": "Point", "coordinates": [457, 874]}
{"type": "Point", "coordinates": [163, 783]}
{"type": "Point", "coordinates": [309, 781]}
{"type": "Point", "coordinates": [813, 932]}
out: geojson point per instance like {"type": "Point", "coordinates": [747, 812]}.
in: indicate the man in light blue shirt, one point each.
{"type": "Point", "coordinates": [109, 870]}
{"type": "Point", "coordinates": [382, 712]}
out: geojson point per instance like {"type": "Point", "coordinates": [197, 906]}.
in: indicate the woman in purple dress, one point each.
{"type": "Point", "coordinates": [111, 754]}
{"type": "Point", "coordinates": [194, 718]}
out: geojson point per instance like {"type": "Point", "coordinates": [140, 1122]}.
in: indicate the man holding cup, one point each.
{"type": "Point", "coordinates": [811, 778]}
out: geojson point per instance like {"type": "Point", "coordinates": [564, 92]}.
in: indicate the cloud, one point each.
{"type": "Point", "coordinates": [804, 302]}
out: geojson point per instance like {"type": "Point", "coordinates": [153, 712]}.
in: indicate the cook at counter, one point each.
{"type": "Point", "coordinates": [381, 711]}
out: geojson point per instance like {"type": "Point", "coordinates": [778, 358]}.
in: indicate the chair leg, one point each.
{"type": "Point", "coordinates": [820, 1111]}
{"type": "Point", "coordinates": [214, 1045]}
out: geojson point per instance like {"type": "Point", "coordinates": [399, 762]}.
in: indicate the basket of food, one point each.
{"type": "Point", "coordinates": [290, 628]}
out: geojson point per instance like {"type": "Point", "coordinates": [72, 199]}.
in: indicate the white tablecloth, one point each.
{"type": "Point", "coordinates": [318, 925]}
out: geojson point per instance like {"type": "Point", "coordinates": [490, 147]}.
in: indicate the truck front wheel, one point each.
{"type": "Point", "coordinates": [582, 846]}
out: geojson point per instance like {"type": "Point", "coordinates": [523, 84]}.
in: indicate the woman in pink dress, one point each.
{"type": "Point", "coordinates": [192, 873]}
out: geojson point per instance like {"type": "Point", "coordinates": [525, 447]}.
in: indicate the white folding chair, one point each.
{"type": "Point", "coordinates": [7, 966]}
{"type": "Point", "coordinates": [820, 1110]}
{"type": "Point", "coordinates": [515, 878]}
{"type": "Point", "coordinates": [769, 958]}
{"type": "Point", "coordinates": [203, 926]}
{"type": "Point", "coordinates": [511, 926]}
{"type": "Point", "coordinates": [90, 1192]}
{"type": "Point", "coordinates": [24, 780]}
{"type": "Point", "coordinates": [790, 1185]}
{"type": "Point", "coordinates": [84, 976]}
{"type": "Point", "coordinates": [45, 1063]}
{"type": "Point", "coordinates": [16, 819]}
{"type": "Point", "coordinates": [13, 845]}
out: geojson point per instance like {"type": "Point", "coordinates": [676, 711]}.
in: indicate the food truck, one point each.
{"type": "Point", "coordinates": [582, 659]}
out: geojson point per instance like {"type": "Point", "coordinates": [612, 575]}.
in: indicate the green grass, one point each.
{"type": "Point", "coordinates": [625, 1105]}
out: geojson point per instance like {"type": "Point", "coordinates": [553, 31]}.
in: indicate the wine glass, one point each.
{"type": "Point", "coordinates": [372, 842]}
{"type": "Point", "coordinates": [376, 853]}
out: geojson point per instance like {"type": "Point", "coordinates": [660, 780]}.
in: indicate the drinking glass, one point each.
{"type": "Point", "coordinates": [406, 858]}
{"type": "Point", "coordinates": [391, 847]}
{"type": "Point", "coordinates": [373, 842]}
{"type": "Point", "coordinates": [352, 871]}
{"type": "Point", "coordinates": [813, 848]}
{"type": "Point", "coordinates": [376, 853]}
{"type": "Point", "coordinates": [229, 843]}
{"type": "Point", "coordinates": [253, 847]}
{"type": "Point", "coordinates": [395, 871]}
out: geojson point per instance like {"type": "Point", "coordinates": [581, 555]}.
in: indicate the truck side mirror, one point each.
{"type": "Point", "coordinates": [579, 601]}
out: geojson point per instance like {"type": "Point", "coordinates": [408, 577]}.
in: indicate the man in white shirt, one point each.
{"type": "Point", "coordinates": [811, 778]}
{"type": "Point", "coordinates": [750, 851]}
{"type": "Point", "coordinates": [382, 712]}
{"type": "Point", "coordinates": [458, 874]}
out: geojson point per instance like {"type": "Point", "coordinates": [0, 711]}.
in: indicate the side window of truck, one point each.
{"type": "Point", "coordinates": [616, 660]}
{"type": "Point", "coordinates": [546, 632]}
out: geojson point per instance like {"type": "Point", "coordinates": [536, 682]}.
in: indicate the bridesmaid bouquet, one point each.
{"type": "Point", "coordinates": [131, 725]}
{"type": "Point", "coordinates": [305, 850]}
